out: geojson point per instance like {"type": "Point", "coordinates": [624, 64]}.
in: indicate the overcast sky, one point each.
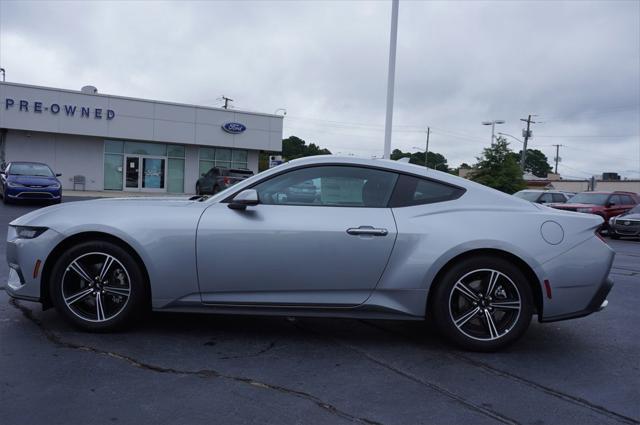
{"type": "Point", "coordinates": [576, 64]}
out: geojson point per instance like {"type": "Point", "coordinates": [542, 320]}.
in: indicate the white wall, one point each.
{"type": "Point", "coordinates": [66, 154]}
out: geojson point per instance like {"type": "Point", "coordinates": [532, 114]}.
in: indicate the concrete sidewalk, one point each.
{"type": "Point", "coordinates": [118, 194]}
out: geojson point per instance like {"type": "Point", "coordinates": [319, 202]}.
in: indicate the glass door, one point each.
{"type": "Point", "coordinates": [132, 172]}
{"type": "Point", "coordinates": [145, 173]}
{"type": "Point", "coordinates": [153, 173]}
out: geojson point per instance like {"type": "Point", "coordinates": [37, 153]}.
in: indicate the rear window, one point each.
{"type": "Point", "coordinates": [527, 196]}
{"type": "Point", "coordinates": [590, 198]}
{"type": "Point", "coordinates": [416, 191]}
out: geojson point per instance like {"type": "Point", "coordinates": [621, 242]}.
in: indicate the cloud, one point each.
{"type": "Point", "coordinates": [575, 64]}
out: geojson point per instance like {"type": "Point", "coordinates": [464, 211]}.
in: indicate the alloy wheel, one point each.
{"type": "Point", "coordinates": [96, 287]}
{"type": "Point", "coordinates": [485, 304]}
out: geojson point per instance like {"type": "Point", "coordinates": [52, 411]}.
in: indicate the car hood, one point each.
{"type": "Point", "coordinates": [85, 210]}
{"type": "Point", "coordinates": [32, 180]}
{"type": "Point", "coordinates": [629, 216]}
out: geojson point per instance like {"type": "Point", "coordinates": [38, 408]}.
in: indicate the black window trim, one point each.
{"type": "Point", "coordinates": [461, 190]}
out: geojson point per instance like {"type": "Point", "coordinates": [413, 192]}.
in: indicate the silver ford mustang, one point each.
{"type": "Point", "coordinates": [370, 239]}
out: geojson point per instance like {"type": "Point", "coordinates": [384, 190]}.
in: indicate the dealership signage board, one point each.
{"type": "Point", "coordinates": [38, 107]}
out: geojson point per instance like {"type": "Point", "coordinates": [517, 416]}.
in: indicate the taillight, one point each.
{"type": "Point", "coordinates": [227, 180]}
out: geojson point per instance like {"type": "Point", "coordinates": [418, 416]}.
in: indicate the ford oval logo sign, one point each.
{"type": "Point", "coordinates": [234, 127]}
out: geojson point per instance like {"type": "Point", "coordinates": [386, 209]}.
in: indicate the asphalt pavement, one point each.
{"type": "Point", "coordinates": [192, 369]}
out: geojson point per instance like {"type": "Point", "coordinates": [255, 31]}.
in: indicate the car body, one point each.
{"type": "Point", "coordinates": [543, 196]}
{"type": "Point", "coordinates": [381, 240]}
{"type": "Point", "coordinates": [22, 180]}
{"type": "Point", "coordinates": [627, 224]}
{"type": "Point", "coordinates": [218, 178]}
{"type": "Point", "coordinates": [603, 204]}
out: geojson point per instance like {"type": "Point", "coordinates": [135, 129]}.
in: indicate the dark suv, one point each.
{"type": "Point", "coordinates": [604, 204]}
{"type": "Point", "coordinates": [217, 179]}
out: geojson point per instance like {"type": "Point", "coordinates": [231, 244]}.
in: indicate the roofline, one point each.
{"type": "Point", "coordinates": [138, 99]}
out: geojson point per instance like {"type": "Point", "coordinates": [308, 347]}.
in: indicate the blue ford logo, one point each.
{"type": "Point", "coordinates": [234, 127]}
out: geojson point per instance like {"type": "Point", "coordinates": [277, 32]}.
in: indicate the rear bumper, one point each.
{"type": "Point", "coordinates": [597, 303]}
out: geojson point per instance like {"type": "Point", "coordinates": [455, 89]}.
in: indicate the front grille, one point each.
{"type": "Point", "coordinates": [627, 227]}
{"type": "Point", "coordinates": [35, 195]}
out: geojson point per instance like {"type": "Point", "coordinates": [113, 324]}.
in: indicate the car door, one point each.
{"type": "Point", "coordinates": [327, 249]}
{"type": "Point", "coordinates": [615, 206]}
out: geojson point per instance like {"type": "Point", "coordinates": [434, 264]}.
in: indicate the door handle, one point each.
{"type": "Point", "coordinates": [367, 230]}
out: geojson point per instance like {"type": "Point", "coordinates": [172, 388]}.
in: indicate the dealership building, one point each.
{"type": "Point", "coordinates": [125, 144]}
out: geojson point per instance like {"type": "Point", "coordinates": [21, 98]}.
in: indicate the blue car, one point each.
{"type": "Point", "coordinates": [29, 180]}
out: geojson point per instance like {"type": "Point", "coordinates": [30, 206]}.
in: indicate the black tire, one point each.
{"type": "Point", "coordinates": [510, 319]}
{"type": "Point", "coordinates": [123, 275]}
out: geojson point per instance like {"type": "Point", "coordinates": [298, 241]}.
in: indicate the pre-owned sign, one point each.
{"type": "Point", "coordinates": [55, 109]}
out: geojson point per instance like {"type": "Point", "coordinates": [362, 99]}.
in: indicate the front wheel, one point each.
{"type": "Point", "coordinates": [483, 304]}
{"type": "Point", "coordinates": [98, 286]}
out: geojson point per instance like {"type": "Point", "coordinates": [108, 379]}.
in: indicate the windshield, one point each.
{"type": "Point", "coordinates": [527, 196]}
{"type": "Point", "coordinates": [589, 198]}
{"type": "Point", "coordinates": [39, 170]}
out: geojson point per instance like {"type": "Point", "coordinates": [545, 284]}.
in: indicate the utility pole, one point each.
{"type": "Point", "coordinates": [557, 158]}
{"type": "Point", "coordinates": [426, 151]}
{"type": "Point", "coordinates": [391, 79]}
{"type": "Point", "coordinates": [226, 101]}
{"type": "Point", "coordinates": [527, 134]}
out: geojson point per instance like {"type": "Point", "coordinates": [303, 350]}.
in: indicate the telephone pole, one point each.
{"type": "Point", "coordinates": [527, 134]}
{"type": "Point", "coordinates": [226, 101]}
{"type": "Point", "coordinates": [557, 158]}
{"type": "Point", "coordinates": [426, 151]}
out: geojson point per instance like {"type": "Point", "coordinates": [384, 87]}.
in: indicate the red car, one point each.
{"type": "Point", "coordinates": [604, 204]}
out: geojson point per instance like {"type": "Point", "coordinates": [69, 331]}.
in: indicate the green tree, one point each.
{"type": "Point", "coordinates": [536, 162]}
{"type": "Point", "coordinates": [434, 160]}
{"type": "Point", "coordinates": [294, 147]}
{"type": "Point", "coordinates": [498, 168]}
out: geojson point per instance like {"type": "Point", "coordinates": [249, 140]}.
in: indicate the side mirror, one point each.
{"type": "Point", "coordinates": [242, 200]}
{"type": "Point", "coordinates": [58, 174]}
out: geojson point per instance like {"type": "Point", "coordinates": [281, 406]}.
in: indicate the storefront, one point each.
{"type": "Point", "coordinates": [125, 144]}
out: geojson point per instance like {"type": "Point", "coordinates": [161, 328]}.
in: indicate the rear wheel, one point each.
{"type": "Point", "coordinates": [98, 286]}
{"type": "Point", "coordinates": [483, 304]}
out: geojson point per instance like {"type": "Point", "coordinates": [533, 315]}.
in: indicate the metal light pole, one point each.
{"type": "Point", "coordinates": [391, 78]}
{"type": "Point", "coordinates": [493, 127]}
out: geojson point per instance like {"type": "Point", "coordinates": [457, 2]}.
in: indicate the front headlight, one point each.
{"type": "Point", "coordinates": [612, 221]}
{"type": "Point", "coordinates": [54, 186]}
{"type": "Point", "coordinates": [12, 184]}
{"type": "Point", "coordinates": [585, 210]}
{"type": "Point", "coordinates": [28, 232]}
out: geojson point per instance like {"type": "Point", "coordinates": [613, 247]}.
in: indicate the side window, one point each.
{"type": "Point", "coordinates": [416, 191]}
{"type": "Point", "coordinates": [627, 200]}
{"type": "Point", "coordinates": [615, 200]}
{"type": "Point", "coordinates": [339, 186]}
{"type": "Point", "coordinates": [558, 197]}
{"type": "Point", "coordinates": [546, 198]}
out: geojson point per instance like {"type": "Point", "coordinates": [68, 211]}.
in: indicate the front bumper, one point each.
{"type": "Point", "coordinates": [25, 192]}
{"type": "Point", "coordinates": [22, 256]}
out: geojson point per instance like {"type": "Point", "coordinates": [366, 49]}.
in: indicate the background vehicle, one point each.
{"type": "Point", "coordinates": [383, 240]}
{"type": "Point", "coordinates": [627, 224]}
{"type": "Point", "coordinates": [543, 196]}
{"type": "Point", "coordinates": [604, 204]}
{"type": "Point", "coordinates": [29, 180]}
{"type": "Point", "coordinates": [217, 179]}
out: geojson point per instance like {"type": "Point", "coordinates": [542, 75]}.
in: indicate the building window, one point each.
{"type": "Point", "coordinates": [148, 161]}
{"type": "Point", "coordinates": [222, 158]}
